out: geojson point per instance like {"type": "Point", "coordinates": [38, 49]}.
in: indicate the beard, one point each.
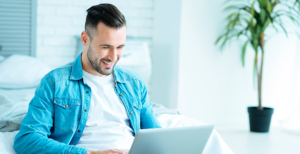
{"type": "Point", "coordinates": [96, 62]}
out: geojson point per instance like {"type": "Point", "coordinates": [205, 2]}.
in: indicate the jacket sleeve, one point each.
{"type": "Point", "coordinates": [35, 127]}
{"type": "Point", "coordinates": [148, 119]}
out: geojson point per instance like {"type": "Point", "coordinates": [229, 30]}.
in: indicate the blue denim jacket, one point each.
{"type": "Point", "coordinates": [58, 112]}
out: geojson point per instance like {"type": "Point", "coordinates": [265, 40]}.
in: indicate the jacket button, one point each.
{"type": "Point", "coordinates": [67, 105]}
{"type": "Point", "coordinates": [130, 112]}
{"type": "Point", "coordinates": [87, 91]}
{"type": "Point", "coordinates": [120, 94]}
{"type": "Point", "coordinates": [78, 131]}
{"type": "Point", "coordinates": [85, 110]}
{"type": "Point", "coordinates": [138, 105]}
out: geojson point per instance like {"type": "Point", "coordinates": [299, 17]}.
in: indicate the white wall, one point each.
{"type": "Point", "coordinates": [165, 52]}
{"type": "Point", "coordinates": [213, 87]}
{"type": "Point", "coordinates": [281, 81]}
{"type": "Point", "coordinates": [59, 21]}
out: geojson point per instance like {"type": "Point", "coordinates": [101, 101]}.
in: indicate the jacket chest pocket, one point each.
{"type": "Point", "coordinates": [66, 113]}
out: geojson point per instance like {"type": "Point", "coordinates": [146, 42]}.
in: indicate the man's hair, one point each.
{"type": "Point", "coordinates": [105, 13]}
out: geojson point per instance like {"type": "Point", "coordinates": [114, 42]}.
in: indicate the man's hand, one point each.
{"type": "Point", "coordinates": [114, 151]}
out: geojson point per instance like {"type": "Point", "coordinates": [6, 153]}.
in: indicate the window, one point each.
{"type": "Point", "coordinates": [18, 27]}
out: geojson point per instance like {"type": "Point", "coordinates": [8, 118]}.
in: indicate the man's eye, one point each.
{"type": "Point", "coordinates": [105, 47]}
{"type": "Point", "coordinates": [120, 47]}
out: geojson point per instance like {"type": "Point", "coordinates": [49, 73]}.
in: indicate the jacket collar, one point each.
{"type": "Point", "coordinates": [117, 72]}
{"type": "Point", "coordinates": [77, 73]}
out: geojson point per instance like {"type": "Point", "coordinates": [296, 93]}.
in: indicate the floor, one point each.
{"type": "Point", "coordinates": [241, 141]}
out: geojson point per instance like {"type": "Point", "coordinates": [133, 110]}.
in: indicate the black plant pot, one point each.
{"type": "Point", "coordinates": [260, 120]}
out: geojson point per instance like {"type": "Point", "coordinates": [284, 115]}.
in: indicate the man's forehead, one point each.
{"type": "Point", "coordinates": [104, 33]}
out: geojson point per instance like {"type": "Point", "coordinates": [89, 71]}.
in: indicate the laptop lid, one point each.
{"type": "Point", "coordinates": [178, 140]}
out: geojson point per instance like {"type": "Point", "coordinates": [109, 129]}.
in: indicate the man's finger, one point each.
{"type": "Point", "coordinates": [117, 151]}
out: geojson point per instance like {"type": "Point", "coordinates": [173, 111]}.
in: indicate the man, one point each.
{"type": "Point", "coordinates": [90, 105]}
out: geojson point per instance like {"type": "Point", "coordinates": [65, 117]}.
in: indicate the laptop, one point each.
{"type": "Point", "coordinates": [180, 140]}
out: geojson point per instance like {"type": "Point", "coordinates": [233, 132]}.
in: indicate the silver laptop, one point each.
{"type": "Point", "coordinates": [181, 140]}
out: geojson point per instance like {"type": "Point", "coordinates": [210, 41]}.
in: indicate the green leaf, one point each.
{"type": "Point", "coordinates": [274, 27]}
{"type": "Point", "coordinates": [254, 43]}
{"type": "Point", "coordinates": [274, 4]}
{"type": "Point", "coordinates": [235, 22]}
{"type": "Point", "coordinates": [218, 40]}
{"type": "Point", "coordinates": [268, 14]}
{"type": "Point", "coordinates": [231, 15]}
{"type": "Point", "coordinates": [294, 20]}
{"type": "Point", "coordinates": [233, 7]}
{"type": "Point", "coordinates": [231, 24]}
{"type": "Point", "coordinates": [297, 34]}
{"type": "Point", "coordinates": [252, 9]}
{"type": "Point", "coordinates": [227, 38]}
{"type": "Point", "coordinates": [283, 29]}
{"type": "Point", "coordinates": [266, 25]}
{"type": "Point", "coordinates": [224, 42]}
{"type": "Point", "coordinates": [262, 15]}
{"type": "Point", "coordinates": [269, 6]}
{"type": "Point", "coordinates": [244, 52]}
{"type": "Point", "coordinates": [264, 3]}
{"type": "Point", "coordinates": [251, 29]}
{"type": "Point", "coordinates": [296, 31]}
{"type": "Point", "coordinates": [297, 1]}
{"type": "Point", "coordinates": [242, 32]}
{"type": "Point", "coordinates": [292, 9]}
{"type": "Point", "coordinates": [258, 30]}
{"type": "Point", "coordinates": [247, 9]}
{"type": "Point", "coordinates": [261, 2]}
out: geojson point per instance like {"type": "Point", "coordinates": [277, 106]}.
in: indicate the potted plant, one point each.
{"type": "Point", "coordinates": [250, 19]}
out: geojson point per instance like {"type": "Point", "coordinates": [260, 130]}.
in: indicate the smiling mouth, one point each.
{"type": "Point", "coordinates": [107, 64]}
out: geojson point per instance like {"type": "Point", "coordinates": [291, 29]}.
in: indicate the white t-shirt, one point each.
{"type": "Point", "coordinates": [107, 126]}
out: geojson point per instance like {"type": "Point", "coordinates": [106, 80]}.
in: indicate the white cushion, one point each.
{"type": "Point", "coordinates": [21, 71]}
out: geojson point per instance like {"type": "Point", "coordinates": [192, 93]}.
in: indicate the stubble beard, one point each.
{"type": "Point", "coordinates": [97, 64]}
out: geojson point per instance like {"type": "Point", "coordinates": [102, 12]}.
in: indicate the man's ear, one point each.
{"type": "Point", "coordinates": [85, 40]}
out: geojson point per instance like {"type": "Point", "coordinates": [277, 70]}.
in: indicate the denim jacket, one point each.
{"type": "Point", "coordinates": [58, 112]}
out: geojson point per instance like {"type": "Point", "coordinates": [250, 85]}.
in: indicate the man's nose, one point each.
{"type": "Point", "coordinates": [113, 54]}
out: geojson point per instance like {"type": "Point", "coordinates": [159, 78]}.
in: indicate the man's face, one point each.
{"type": "Point", "coordinates": [106, 48]}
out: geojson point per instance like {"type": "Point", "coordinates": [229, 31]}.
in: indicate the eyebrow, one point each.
{"type": "Point", "coordinates": [123, 45]}
{"type": "Point", "coordinates": [107, 45]}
